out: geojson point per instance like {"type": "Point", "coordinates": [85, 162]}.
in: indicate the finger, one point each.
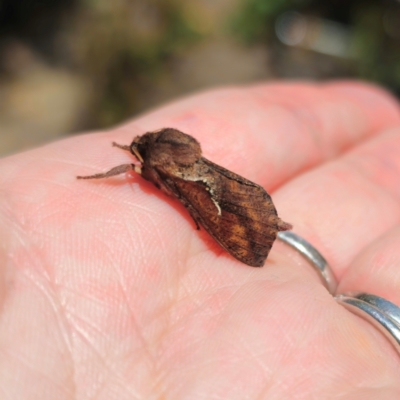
{"type": "Point", "coordinates": [343, 206]}
{"type": "Point", "coordinates": [376, 269]}
{"type": "Point", "coordinates": [272, 132]}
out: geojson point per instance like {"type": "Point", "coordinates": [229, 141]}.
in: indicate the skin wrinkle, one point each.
{"type": "Point", "coordinates": [84, 295]}
{"type": "Point", "coordinates": [192, 297]}
{"type": "Point", "coordinates": [223, 316]}
{"type": "Point", "coordinates": [173, 291]}
{"type": "Point", "coordinates": [146, 346]}
{"type": "Point", "coordinates": [100, 388]}
{"type": "Point", "coordinates": [210, 281]}
{"type": "Point", "coordinates": [69, 163]}
{"type": "Point", "coordinates": [350, 103]}
{"type": "Point", "coordinates": [86, 337]}
{"type": "Point", "coordinates": [293, 354]}
{"type": "Point", "coordinates": [325, 149]}
{"type": "Point", "coordinates": [143, 227]}
{"type": "Point", "coordinates": [245, 348]}
{"type": "Point", "coordinates": [204, 299]}
{"type": "Point", "coordinates": [244, 358]}
{"type": "Point", "coordinates": [163, 376]}
{"type": "Point", "coordinates": [44, 214]}
{"type": "Point", "coordinates": [180, 318]}
{"type": "Point", "coordinates": [56, 306]}
{"type": "Point", "coordinates": [352, 164]}
{"type": "Point", "coordinates": [121, 202]}
{"type": "Point", "coordinates": [388, 103]}
{"type": "Point", "coordinates": [181, 321]}
{"type": "Point", "coordinates": [173, 295]}
{"type": "Point", "coordinates": [64, 329]}
{"type": "Point", "coordinates": [258, 363]}
{"type": "Point", "coordinates": [155, 228]}
{"type": "Point", "coordinates": [140, 225]}
{"type": "Point", "coordinates": [340, 150]}
{"type": "Point", "coordinates": [353, 159]}
{"type": "Point", "coordinates": [311, 129]}
{"type": "Point", "coordinates": [287, 385]}
{"type": "Point", "coordinates": [110, 366]}
{"type": "Point", "coordinates": [61, 322]}
{"type": "Point", "coordinates": [288, 171]}
{"type": "Point", "coordinates": [292, 107]}
{"type": "Point", "coordinates": [41, 267]}
{"type": "Point", "coordinates": [223, 310]}
{"type": "Point", "coordinates": [24, 363]}
{"type": "Point", "coordinates": [370, 270]}
{"type": "Point", "coordinates": [125, 298]}
{"type": "Point", "coordinates": [128, 198]}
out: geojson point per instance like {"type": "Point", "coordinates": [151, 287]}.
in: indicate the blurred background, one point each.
{"type": "Point", "coordinates": [73, 65]}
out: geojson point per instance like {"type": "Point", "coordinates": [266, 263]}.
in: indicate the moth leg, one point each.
{"type": "Point", "coordinates": [120, 169]}
{"type": "Point", "coordinates": [194, 218]}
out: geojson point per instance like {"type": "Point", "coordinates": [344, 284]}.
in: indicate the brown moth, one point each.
{"type": "Point", "coordinates": [237, 213]}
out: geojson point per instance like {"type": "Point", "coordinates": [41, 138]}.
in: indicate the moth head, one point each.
{"type": "Point", "coordinates": [166, 145]}
{"type": "Point", "coordinates": [142, 146]}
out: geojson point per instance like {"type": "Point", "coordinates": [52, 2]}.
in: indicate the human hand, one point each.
{"type": "Point", "coordinates": [109, 292]}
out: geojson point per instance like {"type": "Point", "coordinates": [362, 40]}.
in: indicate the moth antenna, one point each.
{"type": "Point", "coordinates": [112, 172]}
{"type": "Point", "coordinates": [121, 146]}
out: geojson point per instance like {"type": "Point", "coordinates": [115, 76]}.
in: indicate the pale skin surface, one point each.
{"type": "Point", "coordinates": [108, 291]}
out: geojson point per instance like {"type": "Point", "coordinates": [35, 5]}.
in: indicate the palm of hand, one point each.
{"type": "Point", "coordinates": [109, 292]}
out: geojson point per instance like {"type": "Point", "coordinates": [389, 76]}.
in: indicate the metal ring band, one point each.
{"type": "Point", "coordinates": [311, 254]}
{"type": "Point", "coordinates": [381, 313]}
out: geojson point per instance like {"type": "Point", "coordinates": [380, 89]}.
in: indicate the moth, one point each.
{"type": "Point", "coordinates": [236, 212]}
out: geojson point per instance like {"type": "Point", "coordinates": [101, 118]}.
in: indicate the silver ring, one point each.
{"type": "Point", "coordinates": [381, 313]}
{"type": "Point", "coordinates": [311, 254]}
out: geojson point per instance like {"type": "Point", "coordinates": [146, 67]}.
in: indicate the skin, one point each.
{"type": "Point", "coordinates": [107, 291]}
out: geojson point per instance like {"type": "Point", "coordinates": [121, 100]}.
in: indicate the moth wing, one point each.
{"type": "Point", "coordinates": [236, 212]}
